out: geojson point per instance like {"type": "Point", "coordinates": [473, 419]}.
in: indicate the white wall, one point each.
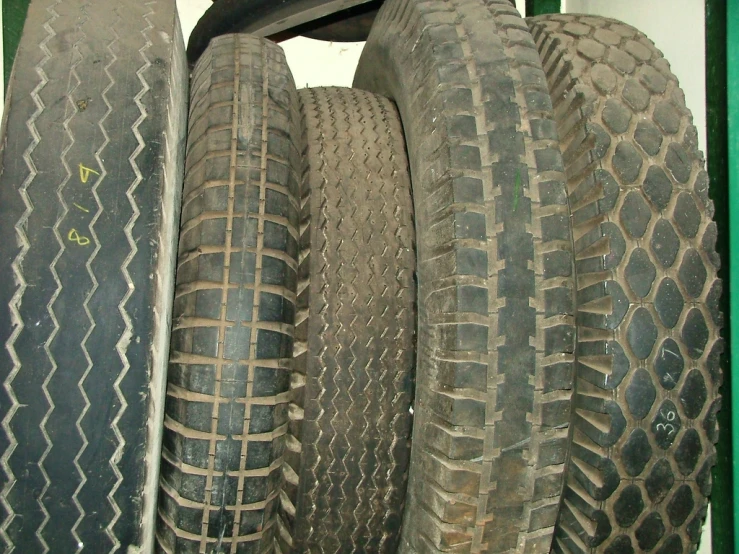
{"type": "Point", "coordinates": [190, 11]}
{"type": "Point", "coordinates": [682, 41]}
{"type": "Point", "coordinates": [315, 63]}
{"type": "Point", "coordinates": [676, 27]}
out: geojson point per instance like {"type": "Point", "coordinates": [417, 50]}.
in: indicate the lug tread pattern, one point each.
{"type": "Point", "coordinates": [234, 308]}
{"type": "Point", "coordinates": [495, 271]}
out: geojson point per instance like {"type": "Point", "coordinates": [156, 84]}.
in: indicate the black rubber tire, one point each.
{"type": "Point", "coordinates": [352, 25]}
{"type": "Point", "coordinates": [259, 17]}
{"type": "Point", "coordinates": [354, 350]}
{"type": "Point", "coordinates": [495, 273]}
{"type": "Point", "coordinates": [92, 145]}
{"type": "Point", "coordinates": [648, 297]}
{"type": "Point", "coordinates": [234, 309]}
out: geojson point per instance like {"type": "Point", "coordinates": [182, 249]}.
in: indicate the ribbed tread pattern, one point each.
{"type": "Point", "coordinates": [495, 273]}
{"type": "Point", "coordinates": [89, 199]}
{"type": "Point", "coordinates": [234, 307]}
{"type": "Point", "coordinates": [648, 320]}
{"type": "Point", "coordinates": [347, 457]}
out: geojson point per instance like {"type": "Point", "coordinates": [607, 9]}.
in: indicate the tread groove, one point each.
{"type": "Point", "coordinates": [227, 393]}
{"type": "Point", "coordinates": [620, 121]}
{"type": "Point", "coordinates": [353, 353]}
{"type": "Point", "coordinates": [76, 362]}
{"type": "Point", "coordinates": [496, 287]}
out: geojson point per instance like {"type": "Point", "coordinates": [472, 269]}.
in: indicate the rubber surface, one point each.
{"type": "Point", "coordinates": [234, 309]}
{"type": "Point", "coordinates": [352, 25]}
{"type": "Point", "coordinates": [349, 445]}
{"type": "Point", "coordinates": [93, 142]}
{"type": "Point", "coordinates": [648, 297]}
{"type": "Point", "coordinates": [495, 273]}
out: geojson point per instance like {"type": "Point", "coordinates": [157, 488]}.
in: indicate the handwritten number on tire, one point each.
{"type": "Point", "coordinates": [74, 236]}
{"type": "Point", "coordinates": [669, 428]}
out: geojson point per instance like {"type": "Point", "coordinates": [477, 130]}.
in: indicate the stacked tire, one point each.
{"type": "Point", "coordinates": [639, 390]}
{"type": "Point", "coordinates": [470, 305]}
{"type": "Point", "coordinates": [496, 328]}
{"type": "Point", "coordinates": [290, 382]}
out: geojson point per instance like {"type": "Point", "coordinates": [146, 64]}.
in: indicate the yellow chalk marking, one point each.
{"type": "Point", "coordinates": [85, 173]}
{"type": "Point", "coordinates": [74, 236]}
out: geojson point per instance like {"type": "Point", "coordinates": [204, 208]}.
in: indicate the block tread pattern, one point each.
{"type": "Point", "coordinates": [234, 308]}
{"type": "Point", "coordinates": [648, 320]}
{"type": "Point", "coordinates": [495, 273]}
{"type": "Point", "coordinates": [92, 146]}
{"type": "Point", "coordinates": [347, 457]}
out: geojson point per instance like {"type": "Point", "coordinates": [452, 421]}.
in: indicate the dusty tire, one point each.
{"type": "Point", "coordinates": [93, 141]}
{"type": "Point", "coordinates": [495, 273]}
{"type": "Point", "coordinates": [648, 297]}
{"type": "Point", "coordinates": [349, 445]}
{"type": "Point", "coordinates": [234, 309]}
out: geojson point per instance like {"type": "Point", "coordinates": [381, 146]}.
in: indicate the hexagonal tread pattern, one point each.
{"type": "Point", "coordinates": [648, 320]}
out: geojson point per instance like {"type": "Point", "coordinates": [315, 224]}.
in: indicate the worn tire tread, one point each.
{"type": "Point", "coordinates": [234, 306]}
{"type": "Point", "coordinates": [89, 193]}
{"type": "Point", "coordinates": [347, 456]}
{"type": "Point", "coordinates": [495, 273]}
{"type": "Point", "coordinates": [648, 319]}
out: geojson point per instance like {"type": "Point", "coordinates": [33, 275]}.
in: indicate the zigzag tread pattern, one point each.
{"type": "Point", "coordinates": [354, 355]}
{"type": "Point", "coordinates": [16, 320]}
{"type": "Point", "coordinates": [648, 295]}
{"type": "Point", "coordinates": [496, 287]}
{"type": "Point", "coordinates": [74, 81]}
{"type": "Point", "coordinates": [93, 289]}
{"type": "Point", "coordinates": [52, 376]}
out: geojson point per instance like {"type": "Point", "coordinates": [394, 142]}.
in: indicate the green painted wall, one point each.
{"type": "Point", "coordinates": [540, 7]}
{"type": "Point", "coordinates": [732, 65]}
{"type": "Point", "coordinates": [14, 16]}
{"type": "Point", "coordinates": [717, 153]}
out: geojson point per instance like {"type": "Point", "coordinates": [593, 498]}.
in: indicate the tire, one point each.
{"type": "Point", "coordinates": [234, 308]}
{"type": "Point", "coordinates": [93, 141]}
{"type": "Point", "coordinates": [648, 318]}
{"type": "Point", "coordinates": [347, 456]}
{"type": "Point", "coordinates": [495, 273]}
{"type": "Point", "coordinates": [263, 18]}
